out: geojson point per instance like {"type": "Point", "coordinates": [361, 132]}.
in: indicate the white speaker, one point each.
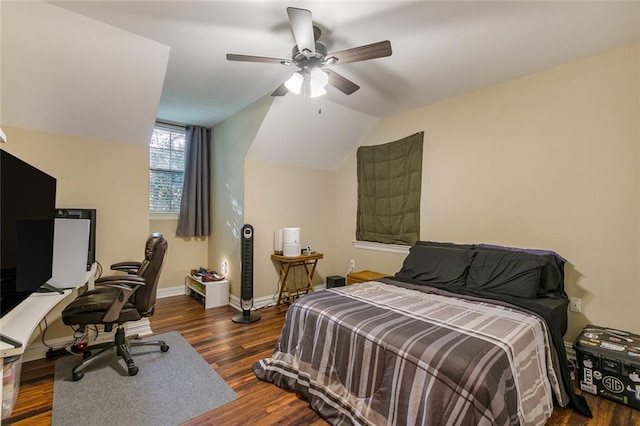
{"type": "Point", "coordinates": [277, 241]}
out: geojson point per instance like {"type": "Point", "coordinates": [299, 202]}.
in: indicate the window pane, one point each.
{"type": "Point", "coordinates": [177, 160]}
{"type": "Point", "coordinates": [177, 141]}
{"type": "Point", "coordinates": [160, 138]}
{"type": "Point", "coordinates": [166, 169]}
{"type": "Point", "coordinates": [176, 191]}
{"type": "Point", "coordinates": [159, 158]}
{"type": "Point", "coordinates": [165, 191]}
{"type": "Point", "coordinates": [159, 191]}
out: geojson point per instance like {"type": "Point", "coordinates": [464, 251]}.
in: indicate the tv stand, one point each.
{"type": "Point", "coordinates": [48, 288]}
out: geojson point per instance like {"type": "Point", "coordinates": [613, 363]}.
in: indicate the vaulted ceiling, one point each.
{"type": "Point", "coordinates": [102, 64]}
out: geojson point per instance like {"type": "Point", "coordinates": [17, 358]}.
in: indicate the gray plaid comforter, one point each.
{"type": "Point", "coordinates": [378, 354]}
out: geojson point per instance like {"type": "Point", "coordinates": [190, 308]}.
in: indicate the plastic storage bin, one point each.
{"type": "Point", "coordinates": [10, 383]}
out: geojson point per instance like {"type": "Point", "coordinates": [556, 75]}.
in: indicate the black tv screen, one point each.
{"type": "Point", "coordinates": [27, 208]}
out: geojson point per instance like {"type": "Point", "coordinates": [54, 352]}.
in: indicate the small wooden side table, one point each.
{"type": "Point", "coordinates": [364, 276]}
{"type": "Point", "coordinates": [286, 263]}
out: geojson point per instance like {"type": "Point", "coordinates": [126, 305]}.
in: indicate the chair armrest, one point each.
{"type": "Point", "coordinates": [130, 267]}
{"type": "Point", "coordinates": [130, 280]}
{"type": "Point", "coordinates": [126, 286]}
{"type": "Point", "coordinates": [124, 292]}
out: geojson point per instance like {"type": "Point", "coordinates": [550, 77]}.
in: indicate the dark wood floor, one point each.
{"type": "Point", "coordinates": [231, 349]}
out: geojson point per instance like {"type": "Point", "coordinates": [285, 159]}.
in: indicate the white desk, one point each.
{"type": "Point", "coordinates": [20, 323]}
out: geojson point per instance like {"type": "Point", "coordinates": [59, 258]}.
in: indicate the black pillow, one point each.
{"type": "Point", "coordinates": [506, 272]}
{"type": "Point", "coordinates": [552, 273]}
{"type": "Point", "coordinates": [552, 276]}
{"type": "Point", "coordinates": [438, 265]}
{"type": "Point", "coordinates": [445, 244]}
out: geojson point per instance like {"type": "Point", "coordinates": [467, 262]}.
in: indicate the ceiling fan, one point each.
{"type": "Point", "coordinates": [311, 57]}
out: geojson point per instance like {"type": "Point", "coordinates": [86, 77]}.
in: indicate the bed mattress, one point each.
{"type": "Point", "coordinates": [376, 353]}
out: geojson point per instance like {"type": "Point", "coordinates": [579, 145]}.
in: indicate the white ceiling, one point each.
{"type": "Point", "coordinates": [440, 49]}
{"type": "Point", "coordinates": [97, 68]}
{"type": "Point", "coordinates": [63, 73]}
{"type": "Point", "coordinates": [317, 134]}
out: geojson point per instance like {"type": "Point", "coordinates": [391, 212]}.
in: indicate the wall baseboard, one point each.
{"type": "Point", "coordinates": [234, 301]}
{"type": "Point", "coordinates": [177, 290]}
{"type": "Point", "coordinates": [264, 301]}
{"type": "Point", "coordinates": [258, 302]}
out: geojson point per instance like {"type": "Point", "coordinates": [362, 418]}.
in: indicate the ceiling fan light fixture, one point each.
{"type": "Point", "coordinates": [294, 83]}
{"type": "Point", "coordinates": [319, 78]}
{"type": "Point", "coordinates": [317, 91]}
{"type": "Point", "coordinates": [318, 81]}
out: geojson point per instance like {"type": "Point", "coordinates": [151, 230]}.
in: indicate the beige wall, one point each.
{"type": "Point", "coordinates": [108, 176]}
{"type": "Point", "coordinates": [183, 254]}
{"type": "Point", "coordinates": [112, 178]}
{"type": "Point", "coordinates": [231, 140]}
{"type": "Point", "coordinates": [278, 196]}
{"type": "Point", "coordinates": [546, 161]}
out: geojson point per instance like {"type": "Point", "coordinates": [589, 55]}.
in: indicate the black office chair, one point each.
{"type": "Point", "coordinates": [118, 299]}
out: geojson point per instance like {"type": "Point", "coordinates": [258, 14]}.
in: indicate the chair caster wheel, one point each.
{"type": "Point", "coordinates": [86, 354]}
{"type": "Point", "coordinates": [164, 348]}
{"type": "Point", "coordinates": [133, 370]}
{"type": "Point", "coordinates": [77, 376]}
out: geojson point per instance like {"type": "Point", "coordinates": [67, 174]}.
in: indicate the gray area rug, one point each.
{"type": "Point", "coordinates": [170, 388]}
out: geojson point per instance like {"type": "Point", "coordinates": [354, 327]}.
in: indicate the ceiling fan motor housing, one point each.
{"type": "Point", "coordinates": [307, 63]}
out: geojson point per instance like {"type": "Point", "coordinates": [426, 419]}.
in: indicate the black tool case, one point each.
{"type": "Point", "coordinates": [609, 364]}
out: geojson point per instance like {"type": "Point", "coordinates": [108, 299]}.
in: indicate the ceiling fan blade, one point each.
{"type": "Point", "coordinates": [302, 28]}
{"type": "Point", "coordinates": [341, 83]}
{"type": "Point", "coordinates": [280, 91]}
{"type": "Point", "coordinates": [363, 53]}
{"type": "Point", "coordinates": [262, 59]}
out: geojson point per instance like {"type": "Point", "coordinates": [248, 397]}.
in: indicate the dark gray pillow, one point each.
{"type": "Point", "coordinates": [551, 274]}
{"type": "Point", "coordinates": [506, 272]}
{"type": "Point", "coordinates": [445, 244]}
{"type": "Point", "coordinates": [438, 265]}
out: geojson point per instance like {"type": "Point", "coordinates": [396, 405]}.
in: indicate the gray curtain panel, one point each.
{"type": "Point", "coordinates": [195, 218]}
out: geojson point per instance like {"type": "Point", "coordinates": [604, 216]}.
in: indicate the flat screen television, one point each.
{"type": "Point", "coordinates": [27, 208]}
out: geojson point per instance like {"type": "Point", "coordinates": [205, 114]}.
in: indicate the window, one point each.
{"type": "Point", "coordinates": [166, 169]}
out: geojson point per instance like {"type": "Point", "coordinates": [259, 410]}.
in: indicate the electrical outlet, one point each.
{"type": "Point", "coordinates": [575, 304]}
{"type": "Point", "coordinates": [352, 264]}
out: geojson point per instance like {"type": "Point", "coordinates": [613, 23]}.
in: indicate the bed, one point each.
{"type": "Point", "coordinates": [462, 334]}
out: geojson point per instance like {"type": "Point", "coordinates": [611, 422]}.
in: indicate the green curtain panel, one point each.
{"type": "Point", "coordinates": [389, 187]}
